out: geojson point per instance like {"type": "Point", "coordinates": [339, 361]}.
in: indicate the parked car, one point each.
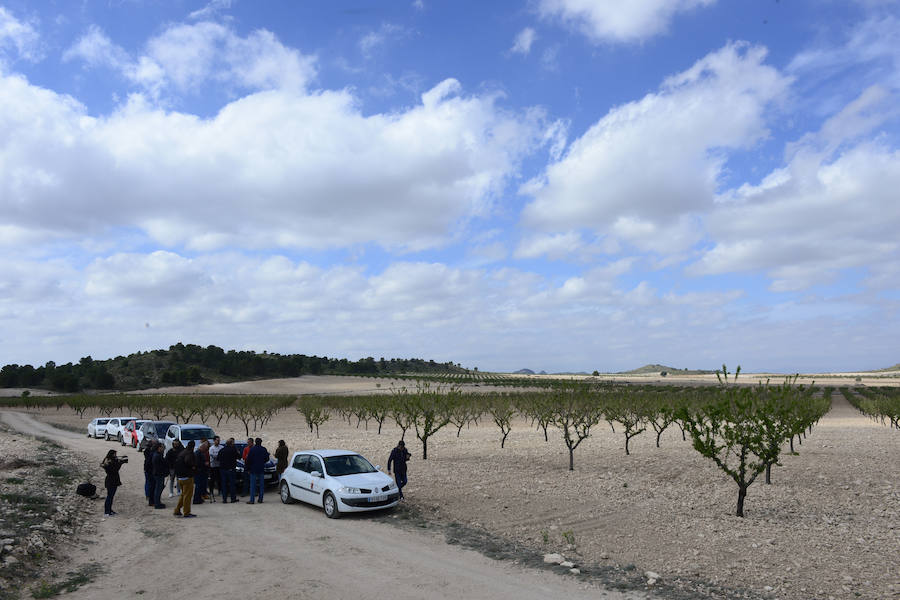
{"type": "Point", "coordinates": [97, 427]}
{"type": "Point", "coordinates": [271, 473]}
{"type": "Point", "coordinates": [129, 434]}
{"type": "Point", "coordinates": [115, 426]}
{"type": "Point", "coordinates": [152, 432]}
{"type": "Point", "coordinates": [187, 432]}
{"type": "Point", "coordinates": [338, 481]}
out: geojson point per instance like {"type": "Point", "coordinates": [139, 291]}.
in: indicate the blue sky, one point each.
{"type": "Point", "coordinates": [552, 184]}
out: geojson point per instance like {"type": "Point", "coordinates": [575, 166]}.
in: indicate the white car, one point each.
{"type": "Point", "coordinates": [187, 432]}
{"type": "Point", "coordinates": [338, 481]}
{"type": "Point", "coordinates": [97, 427]}
{"type": "Point", "coordinates": [115, 426]}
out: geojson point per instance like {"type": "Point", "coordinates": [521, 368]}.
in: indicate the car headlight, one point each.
{"type": "Point", "coordinates": [392, 486]}
{"type": "Point", "coordinates": [348, 490]}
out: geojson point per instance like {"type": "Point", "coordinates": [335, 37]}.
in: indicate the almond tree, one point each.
{"type": "Point", "coordinates": [574, 412]}
{"type": "Point", "coordinates": [502, 411]}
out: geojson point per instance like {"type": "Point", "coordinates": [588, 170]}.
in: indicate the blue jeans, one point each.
{"type": "Point", "coordinates": [148, 485]}
{"type": "Point", "coordinates": [107, 506]}
{"type": "Point", "coordinates": [400, 478]}
{"type": "Point", "coordinates": [227, 484]}
{"type": "Point", "coordinates": [257, 479]}
{"type": "Point", "coordinates": [159, 483]}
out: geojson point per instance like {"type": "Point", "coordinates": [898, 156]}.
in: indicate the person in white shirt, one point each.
{"type": "Point", "coordinates": [214, 474]}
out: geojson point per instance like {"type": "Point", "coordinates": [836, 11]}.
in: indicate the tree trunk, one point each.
{"type": "Point", "coordinates": [571, 459]}
{"type": "Point", "coordinates": [769, 473]}
{"type": "Point", "coordinates": [742, 493]}
{"type": "Point", "coordinates": [425, 449]}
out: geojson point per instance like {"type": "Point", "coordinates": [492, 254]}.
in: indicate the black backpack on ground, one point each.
{"type": "Point", "coordinates": [88, 490]}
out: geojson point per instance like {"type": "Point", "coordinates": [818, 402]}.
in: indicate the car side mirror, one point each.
{"type": "Point", "coordinates": [316, 474]}
{"type": "Point", "coordinates": [377, 467]}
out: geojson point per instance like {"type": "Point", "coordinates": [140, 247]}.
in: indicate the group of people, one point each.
{"type": "Point", "coordinates": [194, 472]}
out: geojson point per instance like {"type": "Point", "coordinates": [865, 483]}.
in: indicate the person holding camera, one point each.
{"type": "Point", "coordinates": [111, 464]}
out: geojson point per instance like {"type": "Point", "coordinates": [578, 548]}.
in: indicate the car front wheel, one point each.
{"type": "Point", "coordinates": [107, 436]}
{"type": "Point", "coordinates": [285, 492]}
{"type": "Point", "coordinates": [330, 505]}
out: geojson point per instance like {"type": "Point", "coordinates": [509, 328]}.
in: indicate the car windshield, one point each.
{"type": "Point", "coordinates": [161, 429]}
{"type": "Point", "coordinates": [196, 434]}
{"type": "Point", "coordinates": [348, 464]}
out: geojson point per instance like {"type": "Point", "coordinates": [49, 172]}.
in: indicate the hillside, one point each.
{"type": "Point", "coordinates": [656, 369]}
{"type": "Point", "coordinates": [189, 364]}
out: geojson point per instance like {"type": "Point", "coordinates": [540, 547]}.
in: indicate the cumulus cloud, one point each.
{"type": "Point", "coordinates": [645, 168]}
{"type": "Point", "coordinates": [19, 40]}
{"type": "Point", "coordinates": [183, 58]}
{"type": "Point", "coordinates": [631, 21]}
{"type": "Point", "coordinates": [273, 169]}
{"type": "Point", "coordinates": [524, 40]}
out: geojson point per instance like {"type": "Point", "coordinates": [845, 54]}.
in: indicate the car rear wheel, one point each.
{"type": "Point", "coordinates": [285, 493]}
{"type": "Point", "coordinates": [121, 439]}
{"type": "Point", "coordinates": [331, 507]}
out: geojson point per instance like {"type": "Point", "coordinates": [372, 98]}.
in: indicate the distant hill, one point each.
{"type": "Point", "coordinates": [523, 372]}
{"type": "Point", "coordinates": [894, 368]}
{"type": "Point", "coordinates": [651, 369]}
{"type": "Point", "coordinates": [185, 364]}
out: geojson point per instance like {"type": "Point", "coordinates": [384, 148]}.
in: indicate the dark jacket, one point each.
{"type": "Point", "coordinates": [171, 455]}
{"type": "Point", "coordinates": [398, 458]}
{"type": "Point", "coordinates": [112, 472]}
{"type": "Point", "coordinates": [228, 457]}
{"type": "Point", "coordinates": [281, 453]}
{"type": "Point", "coordinates": [256, 460]}
{"type": "Point", "coordinates": [186, 464]}
{"type": "Point", "coordinates": [160, 467]}
{"type": "Point", "coordinates": [148, 460]}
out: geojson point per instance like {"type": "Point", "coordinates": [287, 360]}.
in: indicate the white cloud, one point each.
{"type": "Point", "coordinates": [18, 39]}
{"type": "Point", "coordinates": [642, 171]}
{"type": "Point", "coordinates": [811, 220]}
{"type": "Point", "coordinates": [272, 169]}
{"type": "Point", "coordinates": [211, 9]}
{"type": "Point", "coordinates": [554, 246]}
{"type": "Point", "coordinates": [373, 40]}
{"type": "Point", "coordinates": [183, 58]}
{"type": "Point", "coordinates": [524, 40]}
{"type": "Point", "coordinates": [631, 21]}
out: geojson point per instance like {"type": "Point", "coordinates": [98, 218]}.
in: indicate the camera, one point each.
{"type": "Point", "coordinates": [123, 459]}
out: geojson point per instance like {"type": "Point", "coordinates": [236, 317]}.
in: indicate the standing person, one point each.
{"type": "Point", "coordinates": [160, 470]}
{"type": "Point", "coordinates": [281, 454]}
{"type": "Point", "coordinates": [171, 455]}
{"type": "Point", "coordinates": [246, 482]}
{"type": "Point", "coordinates": [399, 457]}
{"type": "Point", "coordinates": [228, 456]}
{"type": "Point", "coordinates": [111, 464]}
{"type": "Point", "coordinates": [149, 482]}
{"type": "Point", "coordinates": [202, 474]}
{"type": "Point", "coordinates": [214, 475]}
{"type": "Point", "coordinates": [256, 465]}
{"type": "Point", "coordinates": [185, 468]}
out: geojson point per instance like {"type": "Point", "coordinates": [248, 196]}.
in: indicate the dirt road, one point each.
{"type": "Point", "coordinates": [275, 551]}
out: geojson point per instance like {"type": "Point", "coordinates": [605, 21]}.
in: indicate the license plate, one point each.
{"type": "Point", "coordinates": [378, 498]}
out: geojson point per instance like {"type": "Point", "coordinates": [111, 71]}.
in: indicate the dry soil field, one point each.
{"type": "Point", "coordinates": [828, 527]}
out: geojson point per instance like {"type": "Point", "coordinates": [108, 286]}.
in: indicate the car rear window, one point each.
{"type": "Point", "coordinates": [161, 429]}
{"type": "Point", "coordinates": [196, 434]}
{"type": "Point", "coordinates": [102, 421]}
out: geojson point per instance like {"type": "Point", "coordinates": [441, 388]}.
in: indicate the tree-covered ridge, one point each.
{"type": "Point", "coordinates": [184, 364]}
